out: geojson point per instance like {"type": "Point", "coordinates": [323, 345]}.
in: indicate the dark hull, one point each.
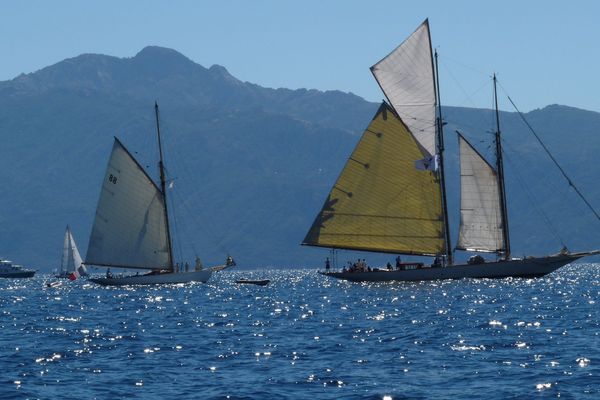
{"type": "Point", "coordinates": [64, 275]}
{"type": "Point", "coordinates": [19, 274]}
{"type": "Point", "coordinates": [254, 282]}
{"type": "Point", "coordinates": [525, 268]}
{"type": "Point", "coordinates": [156, 279]}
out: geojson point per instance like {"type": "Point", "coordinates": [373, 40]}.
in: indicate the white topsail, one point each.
{"type": "Point", "coordinates": [406, 77]}
{"type": "Point", "coordinates": [130, 225]}
{"type": "Point", "coordinates": [480, 214]}
{"type": "Point", "coordinates": [71, 259]}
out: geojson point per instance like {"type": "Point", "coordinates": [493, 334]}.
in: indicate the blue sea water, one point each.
{"type": "Point", "coordinates": [303, 336]}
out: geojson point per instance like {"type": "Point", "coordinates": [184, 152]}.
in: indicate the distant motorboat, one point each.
{"type": "Point", "coordinates": [54, 284]}
{"type": "Point", "coordinates": [10, 270]}
{"type": "Point", "coordinates": [259, 282]}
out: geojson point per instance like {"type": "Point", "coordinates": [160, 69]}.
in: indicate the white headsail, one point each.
{"type": "Point", "coordinates": [71, 259]}
{"type": "Point", "coordinates": [406, 77]}
{"type": "Point", "coordinates": [130, 225]}
{"type": "Point", "coordinates": [480, 214]}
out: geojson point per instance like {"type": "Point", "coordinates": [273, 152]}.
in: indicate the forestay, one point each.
{"type": "Point", "coordinates": [480, 215]}
{"type": "Point", "coordinates": [130, 225]}
{"type": "Point", "coordinates": [407, 79]}
{"type": "Point", "coordinates": [381, 201]}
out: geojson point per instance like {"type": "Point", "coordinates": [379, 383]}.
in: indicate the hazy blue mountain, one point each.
{"type": "Point", "coordinates": [251, 166]}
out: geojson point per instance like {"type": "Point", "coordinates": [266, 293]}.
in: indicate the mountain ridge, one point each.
{"type": "Point", "coordinates": [252, 164]}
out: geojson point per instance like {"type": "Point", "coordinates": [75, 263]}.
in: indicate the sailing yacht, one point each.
{"type": "Point", "coordinates": [391, 195]}
{"type": "Point", "coordinates": [131, 227]}
{"type": "Point", "coordinates": [71, 265]}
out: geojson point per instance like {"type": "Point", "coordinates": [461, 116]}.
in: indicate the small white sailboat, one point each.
{"type": "Point", "coordinates": [391, 195]}
{"type": "Point", "coordinates": [131, 227]}
{"type": "Point", "coordinates": [71, 265]}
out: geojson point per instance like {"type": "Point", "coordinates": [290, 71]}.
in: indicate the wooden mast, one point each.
{"type": "Point", "coordinates": [440, 148]}
{"type": "Point", "coordinates": [500, 170]}
{"type": "Point", "coordinates": [163, 188]}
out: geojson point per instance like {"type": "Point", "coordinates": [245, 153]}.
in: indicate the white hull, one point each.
{"type": "Point", "coordinates": [156, 279]}
{"type": "Point", "coordinates": [525, 268]}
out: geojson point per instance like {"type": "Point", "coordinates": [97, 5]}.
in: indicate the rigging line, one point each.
{"type": "Point", "coordinates": [175, 222]}
{"type": "Point", "coordinates": [407, 117]}
{"type": "Point", "coordinates": [468, 97]}
{"type": "Point", "coordinates": [189, 243]}
{"type": "Point", "coordinates": [532, 199]}
{"type": "Point", "coordinates": [179, 163]}
{"type": "Point", "coordinates": [209, 227]}
{"type": "Point", "coordinates": [551, 156]}
{"type": "Point", "coordinates": [209, 233]}
{"type": "Point", "coordinates": [554, 186]}
{"type": "Point", "coordinates": [176, 228]}
{"type": "Point", "coordinates": [483, 118]}
{"type": "Point", "coordinates": [457, 62]}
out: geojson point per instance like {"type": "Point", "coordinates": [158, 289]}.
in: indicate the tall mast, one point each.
{"type": "Point", "coordinates": [163, 187]}
{"type": "Point", "coordinates": [440, 150]}
{"type": "Point", "coordinates": [500, 169]}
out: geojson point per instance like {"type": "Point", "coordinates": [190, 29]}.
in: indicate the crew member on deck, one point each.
{"type": "Point", "coordinates": [327, 265]}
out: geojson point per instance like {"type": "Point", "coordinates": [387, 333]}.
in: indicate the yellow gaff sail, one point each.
{"type": "Point", "coordinates": [381, 201]}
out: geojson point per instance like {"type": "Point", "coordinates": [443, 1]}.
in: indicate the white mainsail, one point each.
{"type": "Point", "coordinates": [130, 228]}
{"type": "Point", "coordinates": [71, 259]}
{"type": "Point", "coordinates": [480, 214]}
{"type": "Point", "coordinates": [406, 77]}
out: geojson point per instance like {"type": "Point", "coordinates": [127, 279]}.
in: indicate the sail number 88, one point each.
{"type": "Point", "coordinates": [112, 179]}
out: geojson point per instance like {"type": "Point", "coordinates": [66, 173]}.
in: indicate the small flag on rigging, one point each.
{"type": "Point", "coordinates": [429, 163]}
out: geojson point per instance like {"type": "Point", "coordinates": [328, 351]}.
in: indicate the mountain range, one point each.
{"type": "Point", "coordinates": [250, 166]}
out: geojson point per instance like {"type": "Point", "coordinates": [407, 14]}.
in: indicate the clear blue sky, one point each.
{"type": "Point", "coordinates": [544, 52]}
